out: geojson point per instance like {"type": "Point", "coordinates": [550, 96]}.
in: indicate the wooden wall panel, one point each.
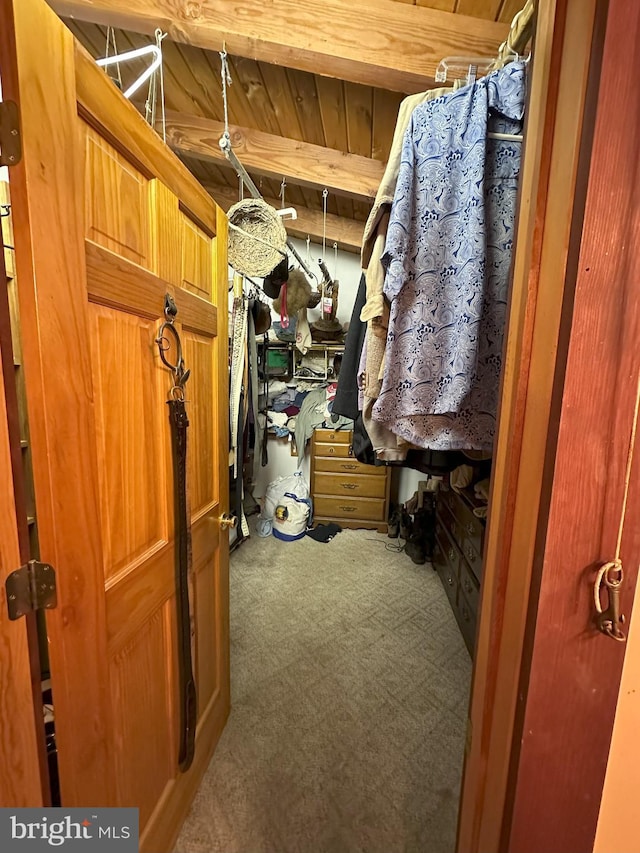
{"type": "Point", "coordinates": [116, 201]}
{"type": "Point", "coordinates": [143, 716]}
{"type": "Point", "coordinates": [198, 353]}
{"type": "Point", "coordinates": [130, 432]}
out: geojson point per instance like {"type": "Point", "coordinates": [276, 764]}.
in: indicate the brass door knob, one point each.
{"type": "Point", "coordinates": [227, 521]}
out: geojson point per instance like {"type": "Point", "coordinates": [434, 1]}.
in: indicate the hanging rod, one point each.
{"type": "Point", "coordinates": [245, 177]}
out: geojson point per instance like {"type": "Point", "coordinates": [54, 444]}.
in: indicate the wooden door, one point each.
{"type": "Point", "coordinates": [107, 220]}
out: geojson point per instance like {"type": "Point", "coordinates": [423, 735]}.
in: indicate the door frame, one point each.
{"type": "Point", "coordinates": [496, 806]}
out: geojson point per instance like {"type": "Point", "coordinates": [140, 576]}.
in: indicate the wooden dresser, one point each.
{"type": "Point", "coordinates": [457, 557]}
{"type": "Point", "coordinates": [343, 489]}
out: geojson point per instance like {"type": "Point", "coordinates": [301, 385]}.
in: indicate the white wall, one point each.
{"type": "Point", "coordinates": [281, 463]}
{"type": "Point", "coordinates": [405, 480]}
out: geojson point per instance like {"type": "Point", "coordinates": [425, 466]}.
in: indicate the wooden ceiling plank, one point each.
{"type": "Point", "coordinates": [275, 156]}
{"type": "Point", "coordinates": [248, 77]}
{"type": "Point", "coordinates": [359, 101]}
{"type": "Point", "coordinates": [385, 116]}
{"type": "Point", "coordinates": [487, 9]}
{"type": "Point", "coordinates": [333, 112]}
{"type": "Point", "coordinates": [200, 80]}
{"type": "Point", "coordinates": [305, 97]}
{"type": "Point", "coordinates": [374, 42]}
{"type": "Point", "coordinates": [441, 5]}
{"type": "Point", "coordinates": [279, 91]}
{"type": "Point", "coordinates": [347, 233]}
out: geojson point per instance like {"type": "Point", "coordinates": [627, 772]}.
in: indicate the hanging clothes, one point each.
{"type": "Point", "coordinates": [448, 255]}
{"type": "Point", "coordinates": [375, 229]}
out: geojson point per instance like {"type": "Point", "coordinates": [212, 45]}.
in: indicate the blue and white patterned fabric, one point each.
{"type": "Point", "coordinates": [448, 254]}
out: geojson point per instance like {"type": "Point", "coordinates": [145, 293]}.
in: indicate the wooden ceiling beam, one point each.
{"type": "Point", "coordinates": [375, 42]}
{"type": "Point", "coordinates": [347, 233]}
{"type": "Point", "coordinates": [276, 156]}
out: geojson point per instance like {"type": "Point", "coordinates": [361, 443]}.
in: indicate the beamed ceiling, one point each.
{"type": "Point", "coordinates": [332, 128]}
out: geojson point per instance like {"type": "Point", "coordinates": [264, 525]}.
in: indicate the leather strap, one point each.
{"type": "Point", "coordinates": [187, 687]}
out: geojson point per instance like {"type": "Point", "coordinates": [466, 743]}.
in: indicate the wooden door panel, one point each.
{"type": "Point", "coordinates": [200, 357]}
{"type": "Point", "coordinates": [206, 642]}
{"type": "Point", "coordinates": [197, 258]}
{"type": "Point", "coordinates": [143, 714]}
{"type": "Point", "coordinates": [131, 436]}
{"type": "Point", "coordinates": [117, 201]}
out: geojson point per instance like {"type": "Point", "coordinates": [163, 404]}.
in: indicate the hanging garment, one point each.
{"type": "Point", "coordinates": [375, 229]}
{"type": "Point", "coordinates": [448, 253]}
{"type": "Point", "coordinates": [346, 400]}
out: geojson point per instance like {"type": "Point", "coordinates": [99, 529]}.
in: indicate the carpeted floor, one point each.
{"type": "Point", "coordinates": [350, 685]}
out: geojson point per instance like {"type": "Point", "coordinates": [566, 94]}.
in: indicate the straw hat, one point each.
{"type": "Point", "coordinates": [255, 257]}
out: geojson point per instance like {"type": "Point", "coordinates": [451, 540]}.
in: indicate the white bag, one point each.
{"type": "Point", "coordinates": [294, 484]}
{"type": "Point", "coordinates": [291, 518]}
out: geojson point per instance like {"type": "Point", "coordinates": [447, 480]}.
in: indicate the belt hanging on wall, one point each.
{"type": "Point", "coordinates": [169, 343]}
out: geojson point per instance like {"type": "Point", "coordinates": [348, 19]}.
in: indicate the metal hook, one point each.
{"type": "Point", "coordinates": [168, 330]}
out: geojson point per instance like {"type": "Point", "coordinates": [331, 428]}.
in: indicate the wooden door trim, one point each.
{"type": "Point", "coordinates": [566, 657]}
{"type": "Point", "coordinates": [141, 292]}
{"type": "Point", "coordinates": [101, 105]}
{"type": "Point", "coordinates": [555, 116]}
{"type": "Point", "coordinates": [51, 268]}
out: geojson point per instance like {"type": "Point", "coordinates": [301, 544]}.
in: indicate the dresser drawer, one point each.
{"type": "Point", "coordinates": [331, 436]}
{"type": "Point", "coordinates": [469, 526]}
{"type": "Point", "coordinates": [473, 558]}
{"type": "Point", "coordinates": [451, 524]}
{"type": "Point", "coordinates": [368, 509]}
{"type": "Point", "coordinates": [352, 485]}
{"type": "Point", "coordinates": [445, 562]}
{"type": "Point", "coordinates": [467, 619]}
{"type": "Point", "coordinates": [331, 465]}
{"type": "Point", "coordinates": [469, 586]}
{"type": "Point", "coordinates": [340, 450]}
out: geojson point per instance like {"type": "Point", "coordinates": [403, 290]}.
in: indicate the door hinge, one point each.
{"type": "Point", "coordinates": [29, 588]}
{"type": "Point", "coordinates": [10, 141]}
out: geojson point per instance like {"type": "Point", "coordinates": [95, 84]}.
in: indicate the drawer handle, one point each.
{"type": "Point", "coordinates": [348, 508]}
{"type": "Point", "coordinates": [471, 554]}
{"type": "Point", "coordinates": [331, 450]}
{"type": "Point", "coordinates": [348, 467]}
{"type": "Point", "coordinates": [452, 554]}
{"type": "Point", "coordinates": [465, 613]}
{"type": "Point", "coordinates": [471, 529]}
{"type": "Point", "coordinates": [449, 580]}
{"type": "Point", "coordinates": [349, 485]}
{"type": "Point", "coordinates": [332, 436]}
{"type": "Point", "coordinates": [467, 586]}
{"type": "Point", "coordinates": [351, 450]}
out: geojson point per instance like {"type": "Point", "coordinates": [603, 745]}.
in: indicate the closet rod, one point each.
{"type": "Point", "coordinates": [245, 177]}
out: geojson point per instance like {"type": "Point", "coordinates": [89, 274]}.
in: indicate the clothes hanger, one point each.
{"type": "Point", "coordinates": [129, 56]}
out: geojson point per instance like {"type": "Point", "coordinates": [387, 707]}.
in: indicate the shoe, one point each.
{"type": "Point", "coordinates": [405, 524]}
{"type": "Point", "coordinates": [412, 504]}
{"type": "Point", "coordinates": [415, 549]}
{"type": "Point", "coordinates": [424, 527]}
{"type": "Point", "coordinates": [393, 528]}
